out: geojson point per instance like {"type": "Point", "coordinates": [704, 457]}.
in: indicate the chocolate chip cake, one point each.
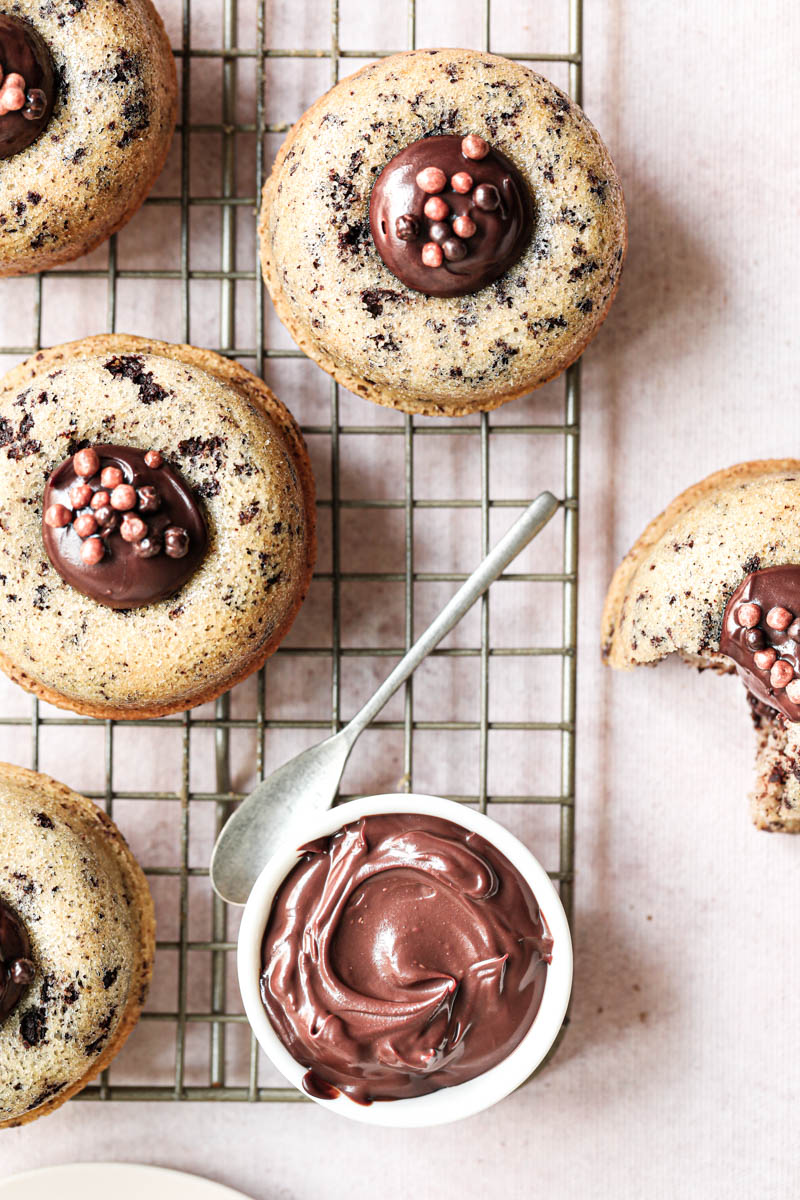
{"type": "Point", "coordinates": [716, 579]}
{"type": "Point", "coordinates": [77, 939]}
{"type": "Point", "coordinates": [443, 231]}
{"type": "Point", "coordinates": [87, 111]}
{"type": "Point", "coordinates": [157, 525]}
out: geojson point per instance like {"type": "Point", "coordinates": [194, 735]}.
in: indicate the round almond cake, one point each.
{"type": "Point", "coordinates": [88, 100]}
{"type": "Point", "coordinates": [77, 939]}
{"type": "Point", "coordinates": [157, 525]}
{"type": "Point", "coordinates": [443, 231]}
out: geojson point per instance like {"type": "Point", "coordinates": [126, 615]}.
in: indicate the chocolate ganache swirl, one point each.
{"type": "Point", "coordinates": [16, 968]}
{"type": "Point", "coordinates": [27, 85]}
{"type": "Point", "coordinates": [402, 955]}
{"type": "Point", "coordinates": [122, 526]}
{"type": "Point", "coordinates": [448, 215]}
{"type": "Point", "coordinates": [761, 633]}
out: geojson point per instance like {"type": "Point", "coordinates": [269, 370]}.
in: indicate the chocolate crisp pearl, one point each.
{"type": "Point", "coordinates": [85, 525]}
{"type": "Point", "coordinates": [22, 972]}
{"type": "Point", "coordinates": [57, 516]}
{"type": "Point", "coordinates": [149, 501]}
{"type": "Point", "coordinates": [132, 528]}
{"type": "Point", "coordinates": [92, 551]}
{"type": "Point", "coordinates": [106, 517]}
{"type": "Point", "coordinates": [176, 542]}
{"type": "Point", "coordinates": [111, 477]}
{"type": "Point", "coordinates": [406, 228]}
{"type": "Point", "coordinates": [80, 495]}
{"type": "Point", "coordinates": [123, 497]}
{"type": "Point", "coordinates": [107, 549]}
{"type": "Point", "coordinates": [148, 547]}
{"type": "Point", "coordinates": [488, 207]}
{"type": "Point", "coordinates": [86, 463]}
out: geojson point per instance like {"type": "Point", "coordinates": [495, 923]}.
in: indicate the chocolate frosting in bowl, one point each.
{"type": "Point", "coordinates": [402, 955]}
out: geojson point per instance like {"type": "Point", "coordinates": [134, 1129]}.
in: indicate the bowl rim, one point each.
{"type": "Point", "coordinates": [451, 1103]}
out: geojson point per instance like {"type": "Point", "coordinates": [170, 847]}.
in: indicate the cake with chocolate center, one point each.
{"type": "Point", "coordinates": [158, 525]}
{"type": "Point", "coordinates": [443, 231]}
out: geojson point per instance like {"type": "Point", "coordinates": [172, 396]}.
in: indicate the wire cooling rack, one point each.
{"type": "Point", "coordinates": [398, 533]}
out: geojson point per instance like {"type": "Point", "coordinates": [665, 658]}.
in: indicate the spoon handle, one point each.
{"type": "Point", "coordinates": [521, 532]}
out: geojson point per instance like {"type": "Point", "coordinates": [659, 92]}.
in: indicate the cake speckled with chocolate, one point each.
{"type": "Point", "coordinates": [157, 525]}
{"type": "Point", "coordinates": [443, 231]}
{"type": "Point", "coordinates": [77, 939]}
{"type": "Point", "coordinates": [716, 579]}
{"type": "Point", "coordinates": [87, 111]}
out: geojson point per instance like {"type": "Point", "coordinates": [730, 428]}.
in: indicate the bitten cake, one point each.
{"type": "Point", "coordinates": [77, 938]}
{"type": "Point", "coordinates": [157, 525]}
{"type": "Point", "coordinates": [716, 579]}
{"type": "Point", "coordinates": [443, 231]}
{"type": "Point", "coordinates": [87, 111]}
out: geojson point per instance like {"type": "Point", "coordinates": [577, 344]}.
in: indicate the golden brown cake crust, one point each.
{"type": "Point", "coordinates": [107, 141]}
{"type": "Point", "coordinates": [356, 320]}
{"type": "Point", "coordinates": [73, 832]}
{"type": "Point", "coordinates": [34, 370]}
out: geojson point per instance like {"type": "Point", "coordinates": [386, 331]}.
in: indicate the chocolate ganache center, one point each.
{"type": "Point", "coordinates": [448, 215]}
{"type": "Point", "coordinates": [402, 955]}
{"type": "Point", "coordinates": [27, 85]}
{"type": "Point", "coordinates": [122, 526]}
{"type": "Point", "coordinates": [16, 968]}
{"type": "Point", "coordinates": [761, 633]}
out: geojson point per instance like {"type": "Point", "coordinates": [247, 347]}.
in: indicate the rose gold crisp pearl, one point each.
{"type": "Point", "coordinates": [748, 615]}
{"type": "Point", "coordinates": [111, 477]}
{"type": "Point", "coordinates": [474, 147]}
{"type": "Point", "coordinates": [779, 618]}
{"type": "Point", "coordinates": [57, 516]}
{"type": "Point", "coordinates": [461, 182]}
{"type": "Point", "coordinates": [432, 255]}
{"type": "Point", "coordinates": [436, 208]}
{"type": "Point", "coordinates": [86, 463]}
{"type": "Point", "coordinates": [153, 459]}
{"type": "Point", "coordinates": [431, 179]}
{"type": "Point", "coordinates": [133, 529]}
{"type": "Point", "coordinates": [781, 674]}
{"type": "Point", "coordinates": [80, 495]}
{"type": "Point", "coordinates": [464, 227]}
{"type": "Point", "coordinates": [92, 551]}
{"type": "Point", "coordinates": [85, 525]}
{"type": "Point", "coordinates": [99, 499]}
{"type": "Point", "coordinates": [123, 497]}
{"type": "Point", "coordinates": [764, 659]}
{"type": "Point", "coordinates": [793, 691]}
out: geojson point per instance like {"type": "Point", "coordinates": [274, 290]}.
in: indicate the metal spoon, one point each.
{"type": "Point", "coordinates": [307, 784]}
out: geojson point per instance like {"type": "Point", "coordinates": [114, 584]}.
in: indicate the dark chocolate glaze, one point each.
{"type": "Point", "coordinates": [16, 968]}
{"type": "Point", "coordinates": [24, 52]}
{"type": "Point", "coordinates": [774, 587]}
{"type": "Point", "coordinates": [501, 234]}
{"type": "Point", "coordinates": [402, 955]}
{"type": "Point", "coordinates": [123, 578]}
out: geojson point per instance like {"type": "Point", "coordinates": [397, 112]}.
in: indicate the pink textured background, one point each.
{"type": "Point", "coordinates": [679, 1074]}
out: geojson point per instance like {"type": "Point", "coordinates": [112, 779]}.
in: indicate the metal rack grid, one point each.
{"type": "Point", "coordinates": [219, 946]}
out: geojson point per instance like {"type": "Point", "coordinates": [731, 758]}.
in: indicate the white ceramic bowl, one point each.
{"type": "Point", "coordinates": [451, 1103]}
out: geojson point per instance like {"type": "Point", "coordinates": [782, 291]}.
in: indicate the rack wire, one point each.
{"type": "Point", "coordinates": [193, 1044]}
